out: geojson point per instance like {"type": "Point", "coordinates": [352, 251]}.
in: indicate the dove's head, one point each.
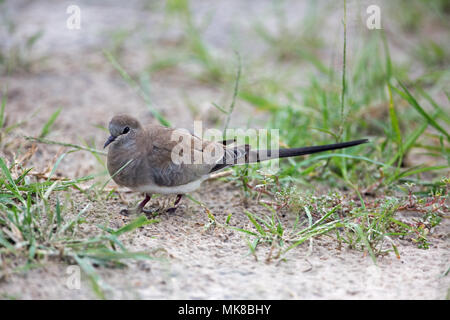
{"type": "Point", "coordinates": [123, 126]}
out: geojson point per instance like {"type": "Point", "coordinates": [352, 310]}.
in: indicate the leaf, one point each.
{"type": "Point", "coordinates": [12, 187]}
{"type": "Point", "coordinates": [255, 223]}
{"type": "Point", "coordinates": [258, 101]}
{"type": "Point", "coordinates": [361, 234]}
{"type": "Point", "coordinates": [2, 110]}
{"type": "Point", "coordinates": [56, 165]}
{"type": "Point", "coordinates": [69, 145]}
{"type": "Point", "coordinates": [243, 230]}
{"type": "Point", "coordinates": [445, 116]}
{"type": "Point", "coordinates": [94, 278]}
{"type": "Point", "coordinates": [103, 254]}
{"type": "Point", "coordinates": [6, 243]}
{"type": "Point", "coordinates": [32, 40]}
{"type": "Point", "coordinates": [412, 171]}
{"type": "Point", "coordinates": [220, 108]}
{"type": "Point", "coordinates": [326, 131]}
{"type": "Point", "coordinates": [407, 95]}
{"type": "Point", "coordinates": [341, 155]}
{"type": "Point", "coordinates": [139, 222]}
{"type": "Point", "coordinates": [388, 57]}
{"type": "Point", "coordinates": [70, 223]}
{"type": "Point", "coordinates": [394, 120]}
{"type": "Point", "coordinates": [46, 129]}
{"type": "Point", "coordinates": [116, 173]}
{"type": "Point", "coordinates": [409, 143]}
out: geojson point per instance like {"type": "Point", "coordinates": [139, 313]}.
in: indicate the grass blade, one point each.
{"type": "Point", "coordinates": [69, 145]}
{"type": "Point", "coordinates": [394, 120]}
{"type": "Point", "coordinates": [116, 173]}
{"type": "Point", "coordinates": [407, 95]}
{"type": "Point", "coordinates": [46, 129]}
{"type": "Point", "coordinates": [445, 116]}
{"type": "Point", "coordinates": [94, 278]}
{"type": "Point", "coordinates": [137, 223]}
{"type": "Point", "coordinates": [363, 236]}
{"type": "Point", "coordinates": [2, 110]}
{"type": "Point", "coordinates": [412, 171]}
{"type": "Point", "coordinates": [135, 85]}
{"type": "Point", "coordinates": [13, 187]}
{"type": "Point", "coordinates": [219, 108]}
{"type": "Point", "coordinates": [255, 223]}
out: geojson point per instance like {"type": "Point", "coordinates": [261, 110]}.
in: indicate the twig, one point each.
{"type": "Point", "coordinates": [44, 176]}
{"type": "Point", "coordinates": [69, 145]}
{"type": "Point", "coordinates": [133, 84]}
{"type": "Point", "coordinates": [220, 174]}
{"type": "Point", "coordinates": [236, 87]}
{"type": "Point", "coordinates": [344, 61]}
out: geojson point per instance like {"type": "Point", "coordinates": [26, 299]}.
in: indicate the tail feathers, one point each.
{"type": "Point", "coordinates": [243, 154]}
{"type": "Point", "coordinates": [262, 155]}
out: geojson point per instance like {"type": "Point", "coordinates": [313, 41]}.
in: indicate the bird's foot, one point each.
{"type": "Point", "coordinates": [171, 210]}
{"type": "Point", "coordinates": [175, 205]}
{"type": "Point", "coordinates": [150, 213]}
{"type": "Point", "coordinates": [138, 210]}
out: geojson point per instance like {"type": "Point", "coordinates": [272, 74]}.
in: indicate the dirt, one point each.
{"type": "Point", "coordinates": [194, 261]}
{"type": "Point", "coordinates": [197, 262]}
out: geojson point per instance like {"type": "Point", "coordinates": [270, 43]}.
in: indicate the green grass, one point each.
{"type": "Point", "coordinates": [324, 111]}
{"type": "Point", "coordinates": [39, 219]}
{"type": "Point", "coordinates": [374, 228]}
{"type": "Point", "coordinates": [36, 224]}
{"type": "Point", "coordinates": [368, 187]}
{"type": "Point", "coordinates": [47, 126]}
{"type": "Point", "coordinates": [316, 119]}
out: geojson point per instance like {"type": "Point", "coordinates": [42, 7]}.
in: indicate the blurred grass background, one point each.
{"type": "Point", "coordinates": [311, 69]}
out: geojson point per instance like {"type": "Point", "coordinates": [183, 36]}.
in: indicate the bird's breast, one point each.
{"type": "Point", "coordinates": [125, 166]}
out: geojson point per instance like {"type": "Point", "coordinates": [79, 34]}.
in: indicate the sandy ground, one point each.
{"type": "Point", "coordinates": [214, 263]}
{"type": "Point", "coordinates": [195, 262]}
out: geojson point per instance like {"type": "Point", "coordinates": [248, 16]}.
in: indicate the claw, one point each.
{"type": "Point", "coordinates": [150, 213]}
{"type": "Point", "coordinates": [171, 210]}
{"type": "Point", "coordinates": [138, 209]}
{"type": "Point", "coordinates": [124, 212]}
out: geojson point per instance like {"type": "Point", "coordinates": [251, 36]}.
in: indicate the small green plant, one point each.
{"type": "Point", "coordinates": [40, 220]}
{"type": "Point", "coordinates": [372, 228]}
{"type": "Point", "coordinates": [35, 224]}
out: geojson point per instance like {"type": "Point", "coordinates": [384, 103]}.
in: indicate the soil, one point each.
{"type": "Point", "coordinates": [194, 260]}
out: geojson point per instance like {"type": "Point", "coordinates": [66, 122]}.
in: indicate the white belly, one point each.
{"type": "Point", "coordinates": [185, 188]}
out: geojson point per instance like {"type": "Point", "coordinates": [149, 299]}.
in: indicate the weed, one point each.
{"type": "Point", "coordinates": [35, 224]}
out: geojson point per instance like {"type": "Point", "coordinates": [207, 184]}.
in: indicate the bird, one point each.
{"type": "Point", "coordinates": [142, 158]}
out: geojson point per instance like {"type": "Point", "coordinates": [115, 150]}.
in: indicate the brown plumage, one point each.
{"type": "Point", "coordinates": [141, 158]}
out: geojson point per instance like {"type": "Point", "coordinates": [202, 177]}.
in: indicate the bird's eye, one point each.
{"type": "Point", "coordinates": [126, 130]}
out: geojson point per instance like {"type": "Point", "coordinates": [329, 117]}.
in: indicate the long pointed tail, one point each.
{"type": "Point", "coordinates": [262, 155]}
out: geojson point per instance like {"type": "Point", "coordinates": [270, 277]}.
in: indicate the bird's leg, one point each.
{"type": "Point", "coordinates": [178, 199]}
{"type": "Point", "coordinates": [175, 205]}
{"type": "Point", "coordinates": [139, 208]}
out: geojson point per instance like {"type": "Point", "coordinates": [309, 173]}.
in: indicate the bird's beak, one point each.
{"type": "Point", "coordinates": [110, 139]}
